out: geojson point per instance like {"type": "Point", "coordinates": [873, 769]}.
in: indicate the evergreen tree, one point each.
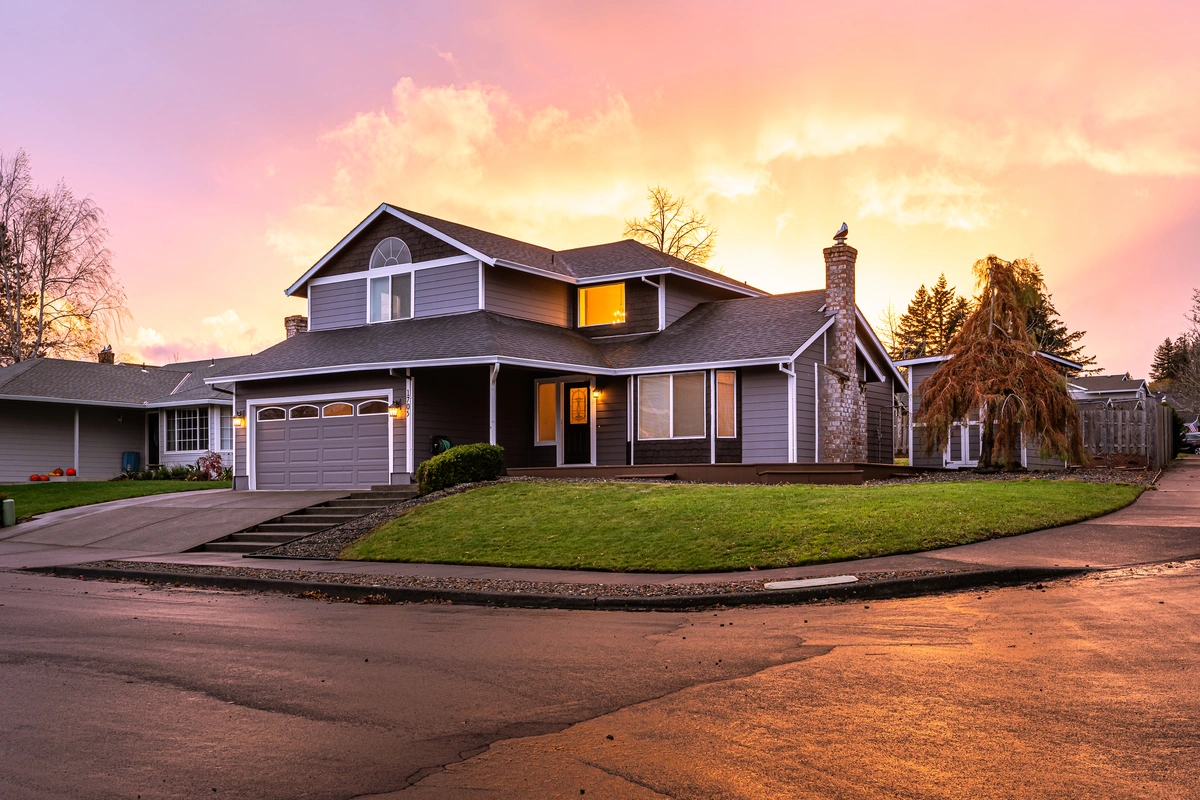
{"type": "Point", "coordinates": [931, 321]}
{"type": "Point", "coordinates": [1049, 333]}
{"type": "Point", "coordinates": [1170, 358]}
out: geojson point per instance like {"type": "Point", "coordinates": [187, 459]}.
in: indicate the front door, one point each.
{"type": "Point", "coordinates": [577, 423]}
{"type": "Point", "coordinates": [152, 455]}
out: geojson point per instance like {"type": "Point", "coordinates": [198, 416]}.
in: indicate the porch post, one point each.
{"type": "Point", "coordinates": [494, 374]}
{"type": "Point", "coordinates": [75, 458]}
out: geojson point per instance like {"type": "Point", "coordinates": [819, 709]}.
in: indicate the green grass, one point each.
{"type": "Point", "coordinates": [40, 498]}
{"type": "Point", "coordinates": [695, 528]}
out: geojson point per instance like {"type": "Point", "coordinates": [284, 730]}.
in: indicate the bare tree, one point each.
{"type": "Point", "coordinates": [1186, 383]}
{"type": "Point", "coordinates": [674, 227]}
{"type": "Point", "coordinates": [58, 291]}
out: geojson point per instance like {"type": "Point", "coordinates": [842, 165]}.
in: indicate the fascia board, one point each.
{"type": "Point", "coordinates": [69, 401]}
{"type": "Point", "coordinates": [812, 339]}
{"type": "Point", "coordinates": [416, 223]}
{"type": "Point", "coordinates": [912, 362]}
{"type": "Point", "coordinates": [879, 345]}
{"type": "Point", "coordinates": [620, 276]}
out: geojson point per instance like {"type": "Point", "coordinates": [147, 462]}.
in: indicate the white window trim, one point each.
{"type": "Point", "coordinates": [717, 404]}
{"type": "Point", "coordinates": [325, 407]}
{"type": "Point", "coordinates": [204, 411]}
{"type": "Point", "coordinates": [392, 272]}
{"type": "Point", "coordinates": [671, 409]}
{"type": "Point", "coordinates": [579, 304]}
{"type": "Point", "coordinates": [269, 408]}
{"type": "Point", "coordinates": [359, 412]}
{"type": "Point", "coordinates": [537, 411]}
{"type": "Point", "coordinates": [292, 415]}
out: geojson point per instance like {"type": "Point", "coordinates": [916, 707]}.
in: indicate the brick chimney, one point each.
{"type": "Point", "coordinates": [843, 407]}
{"type": "Point", "coordinates": [298, 323]}
{"type": "Point", "coordinates": [106, 356]}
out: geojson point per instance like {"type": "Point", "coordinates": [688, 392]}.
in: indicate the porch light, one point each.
{"type": "Point", "coordinates": [239, 420]}
{"type": "Point", "coordinates": [595, 394]}
{"type": "Point", "coordinates": [397, 411]}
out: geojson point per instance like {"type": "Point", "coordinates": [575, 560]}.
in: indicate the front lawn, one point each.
{"type": "Point", "coordinates": [695, 528]}
{"type": "Point", "coordinates": [40, 498]}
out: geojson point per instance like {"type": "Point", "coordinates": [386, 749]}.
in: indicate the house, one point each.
{"type": "Point", "coordinates": [87, 415]}
{"type": "Point", "coordinates": [965, 443]}
{"type": "Point", "coordinates": [423, 333]}
{"type": "Point", "coordinates": [1107, 388]}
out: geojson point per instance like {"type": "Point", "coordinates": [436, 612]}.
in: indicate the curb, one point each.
{"type": "Point", "coordinates": [901, 587]}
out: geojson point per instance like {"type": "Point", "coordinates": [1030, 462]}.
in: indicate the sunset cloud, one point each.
{"type": "Point", "coordinates": [931, 198]}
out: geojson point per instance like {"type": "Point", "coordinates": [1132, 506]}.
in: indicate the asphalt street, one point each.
{"type": "Point", "coordinates": [1086, 689]}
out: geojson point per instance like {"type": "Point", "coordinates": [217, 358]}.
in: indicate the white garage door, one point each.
{"type": "Point", "coordinates": [326, 445]}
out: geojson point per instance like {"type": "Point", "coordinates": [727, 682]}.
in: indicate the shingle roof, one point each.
{"type": "Point", "coordinates": [581, 263]}
{"type": "Point", "coordinates": [118, 384]}
{"type": "Point", "coordinates": [479, 334]}
{"type": "Point", "coordinates": [1107, 383]}
{"type": "Point", "coordinates": [744, 329]}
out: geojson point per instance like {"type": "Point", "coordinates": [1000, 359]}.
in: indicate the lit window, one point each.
{"type": "Point", "coordinates": [579, 406]}
{"type": "Point", "coordinates": [271, 414]}
{"type": "Point", "coordinates": [303, 412]}
{"type": "Point", "coordinates": [226, 428]}
{"type": "Point", "coordinates": [372, 407]}
{"type": "Point", "coordinates": [391, 297]}
{"type": "Point", "coordinates": [602, 305]}
{"type": "Point", "coordinates": [726, 404]}
{"type": "Point", "coordinates": [671, 406]}
{"type": "Point", "coordinates": [187, 430]}
{"type": "Point", "coordinates": [547, 413]}
{"type": "Point", "coordinates": [338, 410]}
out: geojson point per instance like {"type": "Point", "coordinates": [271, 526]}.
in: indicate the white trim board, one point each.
{"type": "Point", "coordinates": [415, 266]}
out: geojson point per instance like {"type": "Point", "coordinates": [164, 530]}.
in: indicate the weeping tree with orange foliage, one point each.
{"type": "Point", "coordinates": [994, 367]}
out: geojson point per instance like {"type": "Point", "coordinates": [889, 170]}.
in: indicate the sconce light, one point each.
{"type": "Point", "coordinates": [239, 420]}
{"type": "Point", "coordinates": [595, 394]}
{"type": "Point", "coordinates": [397, 411]}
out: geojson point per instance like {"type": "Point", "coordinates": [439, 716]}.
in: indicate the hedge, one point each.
{"type": "Point", "coordinates": [465, 463]}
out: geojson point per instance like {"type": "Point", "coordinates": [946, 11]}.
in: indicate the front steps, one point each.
{"type": "Point", "coordinates": [307, 521]}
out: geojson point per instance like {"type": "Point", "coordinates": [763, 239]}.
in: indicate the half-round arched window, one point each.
{"type": "Point", "coordinates": [338, 410]}
{"type": "Point", "coordinates": [390, 252]}
{"type": "Point", "coordinates": [271, 414]}
{"type": "Point", "coordinates": [303, 412]}
{"type": "Point", "coordinates": [372, 407]}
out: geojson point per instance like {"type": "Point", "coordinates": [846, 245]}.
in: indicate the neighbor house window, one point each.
{"type": "Point", "coordinates": [671, 406]}
{"type": "Point", "coordinates": [547, 413]}
{"type": "Point", "coordinates": [187, 429]}
{"type": "Point", "coordinates": [726, 405]}
{"type": "Point", "coordinates": [602, 305]}
{"type": "Point", "coordinates": [226, 428]}
{"type": "Point", "coordinates": [391, 297]}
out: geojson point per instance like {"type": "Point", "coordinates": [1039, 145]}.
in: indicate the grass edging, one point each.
{"type": "Point", "coordinates": [901, 587]}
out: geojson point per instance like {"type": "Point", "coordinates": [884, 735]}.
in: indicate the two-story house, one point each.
{"type": "Point", "coordinates": [422, 333]}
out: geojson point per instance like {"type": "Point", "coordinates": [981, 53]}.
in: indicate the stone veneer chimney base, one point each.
{"type": "Point", "coordinates": [841, 398]}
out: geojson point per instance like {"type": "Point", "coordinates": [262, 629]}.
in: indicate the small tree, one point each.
{"type": "Point", "coordinates": [993, 367]}
{"type": "Point", "coordinates": [674, 227]}
{"type": "Point", "coordinates": [1186, 384]}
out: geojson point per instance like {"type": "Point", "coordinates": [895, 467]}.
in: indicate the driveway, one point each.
{"type": "Point", "coordinates": [145, 526]}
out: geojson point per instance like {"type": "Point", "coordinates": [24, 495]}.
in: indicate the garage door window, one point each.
{"type": "Point", "coordinates": [303, 412]}
{"type": "Point", "coordinates": [372, 407]}
{"type": "Point", "coordinates": [338, 410]}
{"type": "Point", "coordinates": [271, 414]}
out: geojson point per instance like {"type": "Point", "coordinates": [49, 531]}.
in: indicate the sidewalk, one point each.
{"type": "Point", "coordinates": [1162, 525]}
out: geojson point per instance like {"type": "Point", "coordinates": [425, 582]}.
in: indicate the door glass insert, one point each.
{"type": "Point", "coordinates": [579, 406]}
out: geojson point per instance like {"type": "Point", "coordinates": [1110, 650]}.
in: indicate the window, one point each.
{"type": "Point", "coordinates": [390, 252]}
{"type": "Point", "coordinates": [338, 410]}
{"type": "Point", "coordinates": [303, 412]}
{"type": "Point", "coordinates": [372, 407]}
{"type": "Point", "coordinates": [726, 405]}
{"type": "Point", "coordinates": [187, 430]}
{"type": "Point", "coordinates": [391, 297]}
{"type": "Point", "coordinates": [226, 428]}
{"type": "Point", "coordinates": [671, 406]}
{"type": "Point", "coordinates": [602, 305]}
{"type": "Point", "coordinates": [547, 413]}
{"type": "Point", "coordinates": [271, 414]}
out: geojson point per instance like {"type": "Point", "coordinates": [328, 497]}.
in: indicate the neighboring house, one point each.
{"type": "Point", "coordinates": [964, 447]}
{"type": "Point", "coordinates": [1107, 388]}
{"type": "Point", "coordinates": [421, 330]}
{"type": "Point", "coordinates": [86, 415]}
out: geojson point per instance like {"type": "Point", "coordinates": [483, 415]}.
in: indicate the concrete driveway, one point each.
{"type": "Point", "coordinates": [145, 526]}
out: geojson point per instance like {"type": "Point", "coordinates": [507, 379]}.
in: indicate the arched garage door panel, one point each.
{"type": "Point", "coordinates": [324, 453]}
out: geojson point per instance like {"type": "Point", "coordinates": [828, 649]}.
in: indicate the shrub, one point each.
{"type": "Point", "coordinates": [210, 466]}
{"type": "Point", "coordinates": [466, 463]}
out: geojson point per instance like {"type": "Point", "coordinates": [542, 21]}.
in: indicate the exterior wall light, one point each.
{"type": "Point", "coordinates": [397, 411]}
{"type": "Point", "coordinates": [239, 420]}
{"type": "Point", "coordinates": [595, 394]}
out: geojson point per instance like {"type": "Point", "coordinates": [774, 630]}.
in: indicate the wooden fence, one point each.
{"type": "Point", "coordinates": [1127, 434]}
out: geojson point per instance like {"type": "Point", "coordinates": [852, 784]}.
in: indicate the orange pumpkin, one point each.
{"type": "Point", "coordinates": [71, 471]}
{"type": "Point", "coordinates": [35, 477]}
{"type": "Point", "coordinates": [45, 477]}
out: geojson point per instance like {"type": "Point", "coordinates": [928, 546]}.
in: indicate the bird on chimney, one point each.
{"type": "Point", "coordinates": [843, 232]}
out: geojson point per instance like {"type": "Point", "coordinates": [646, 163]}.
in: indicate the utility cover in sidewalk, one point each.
{"type": "Point", "coordinates": [801, 584]}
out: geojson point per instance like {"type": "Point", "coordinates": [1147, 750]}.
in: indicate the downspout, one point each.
{"type": "Point", "coordinates": [629, 404]}
{"type": "Point", "coordinates": [789, 369]}
{"type": "Point", "coordinates": [712, 378]}
{"type": "Point", "coordinates": [494, 374]}
{"type": "Point", "coordinates": [75, 460]}
{"type": "Point", "coordinates": [662, 299]}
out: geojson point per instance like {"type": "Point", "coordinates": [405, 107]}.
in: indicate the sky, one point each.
{"type": "Point", "coordinates": [231, 145]}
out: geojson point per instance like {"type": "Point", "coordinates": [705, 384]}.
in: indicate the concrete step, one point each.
{"type": "Point", "coordinates": [357, 503]}
{"type": "Point", "coordinates": [296, 528]}
{"type": "Point", "coordinates": [395, 487]}
{"type": "Point", "coordinates": [233, 547]}
{"type": "Point", "coordinates": [325, 519]}
{"type": "Point", "coordinates": [263, 538]}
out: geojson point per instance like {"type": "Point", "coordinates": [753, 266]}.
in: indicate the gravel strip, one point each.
{"type": "Point", "coordinates": [497, 586]}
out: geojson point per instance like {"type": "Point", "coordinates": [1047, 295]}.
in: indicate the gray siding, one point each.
{"type": "Point", "coordinates": [806, 403]}
{"type": "Point", "coordinates": [515, 417]}
{"type": "Point", "coordinates": [337, 305]}
{"type": "Point", "coordinates": [918, 458]}
{"type": "Point", "coordinates": [453, 289]}
{"type": "Point", "coordinates": [104, 435]}
{"type": "Point", "coordinates": [36, 437]}
{"type": "Point", "coordinates": [683, 295]}
{"type": "Point", "coordinates": [612, 421]}
{"type": "Point", "coordinates": [764, 415]}
{"type": "Point", "coordinates": [519, 294]}
{"type": "Point", "coordinates": [356, 255]}
{"type": "Point", "coordinates": [880, 443]}
{"type": "Point", "coordinates": [450, 402]}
